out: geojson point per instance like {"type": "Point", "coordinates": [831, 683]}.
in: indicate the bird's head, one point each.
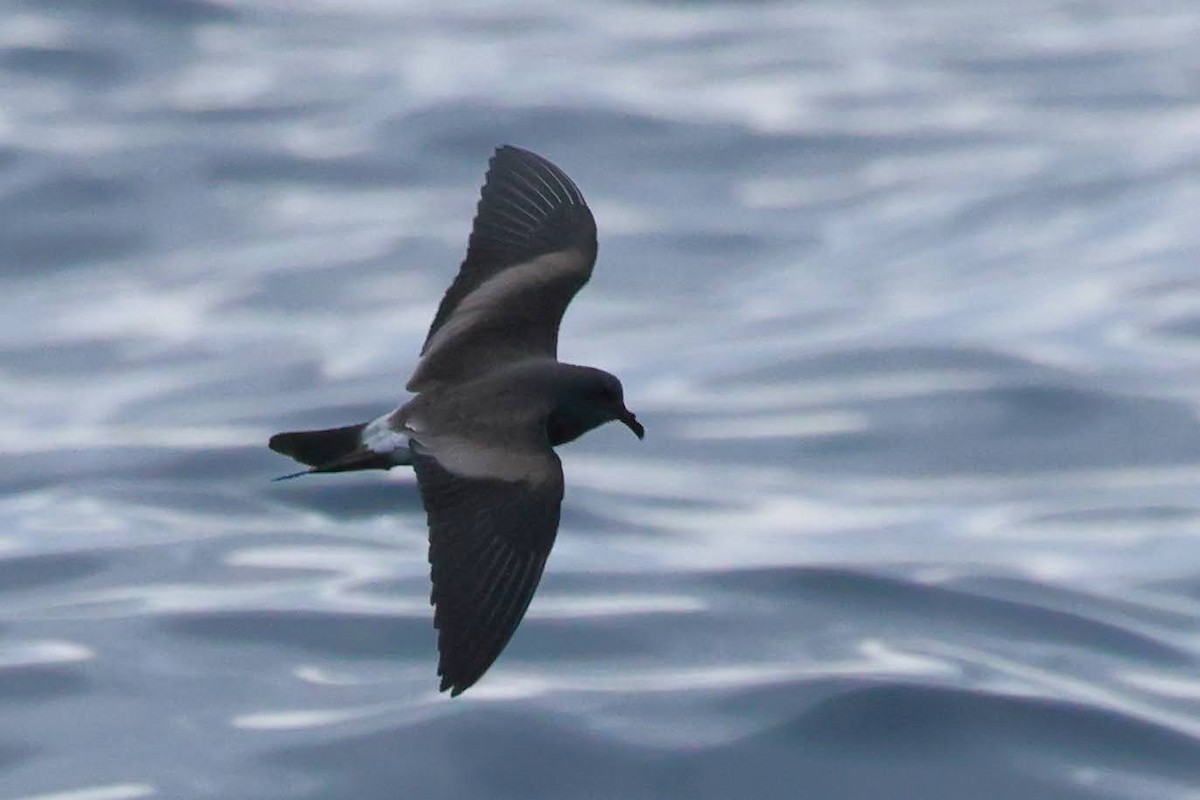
{"type": "Point", "coordinates": [606, 394]}
{"type": "Point", "coordinates": [589, 398]}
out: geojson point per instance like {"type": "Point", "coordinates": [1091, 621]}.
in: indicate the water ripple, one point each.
{"type": "Point", "coordinates": [904, 294]}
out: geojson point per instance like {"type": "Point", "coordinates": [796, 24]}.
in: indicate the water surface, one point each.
{"type": "Point", "coordinates": [905, 293]}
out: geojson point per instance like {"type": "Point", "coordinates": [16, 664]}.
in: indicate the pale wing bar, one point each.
{"type": "Point", "coordinates": [528, 207]}
{"type": "Point", "coordinates": [532, 247]}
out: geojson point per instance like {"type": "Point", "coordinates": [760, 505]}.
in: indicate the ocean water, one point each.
{"type": "Point", "coordinates": [907, 295]}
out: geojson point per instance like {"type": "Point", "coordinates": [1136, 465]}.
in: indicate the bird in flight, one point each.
{"type": "Point", "coordinates": [491, 403]}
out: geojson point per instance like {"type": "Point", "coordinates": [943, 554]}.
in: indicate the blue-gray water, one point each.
{"type": "Point", "coordinates": [906, 293]}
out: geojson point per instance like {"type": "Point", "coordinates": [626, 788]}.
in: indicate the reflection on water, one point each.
{"type": "Point", "coordinates": [903, 293]}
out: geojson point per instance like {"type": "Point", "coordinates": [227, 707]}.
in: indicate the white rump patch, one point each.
{"type": "Point", "coordinates": [380, 437]}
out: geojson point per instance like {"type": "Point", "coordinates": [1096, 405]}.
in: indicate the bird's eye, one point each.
{"type": "Point", "coordinates": [606, 393]}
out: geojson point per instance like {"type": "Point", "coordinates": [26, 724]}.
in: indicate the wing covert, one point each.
{"type": "Point", "coordinates": [532, 247]}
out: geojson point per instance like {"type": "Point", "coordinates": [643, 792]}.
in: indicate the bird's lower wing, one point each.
{"type": "Point", "coordinates": [488, 543]}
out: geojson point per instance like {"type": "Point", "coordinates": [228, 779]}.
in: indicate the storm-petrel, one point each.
{"type": "Point", "coordinates": [491, 403]}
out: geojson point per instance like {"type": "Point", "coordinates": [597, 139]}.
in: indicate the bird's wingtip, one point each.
{"type": "Point", "coordinates": [448, 684]}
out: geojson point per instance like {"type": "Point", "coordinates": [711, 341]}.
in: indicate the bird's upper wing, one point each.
{"type": "Point", "coordinates": [532, 247]}
{"type": "Point", "coordinates": [493, 516]}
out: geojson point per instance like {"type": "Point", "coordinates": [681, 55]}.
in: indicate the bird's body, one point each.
{"type": "Point", "coordinates": [492, 401]}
